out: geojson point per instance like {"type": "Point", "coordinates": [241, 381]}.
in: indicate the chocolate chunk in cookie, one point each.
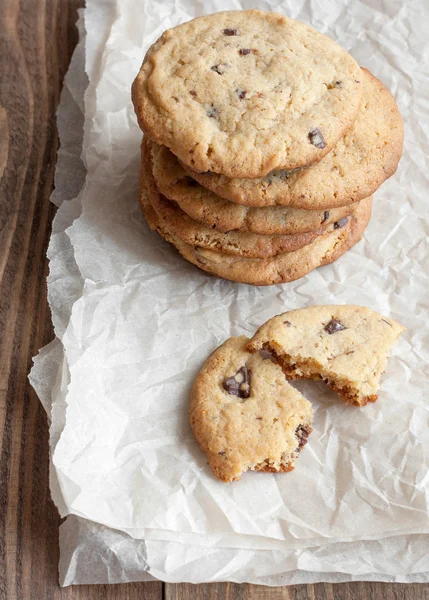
{"type": "Point", "coordinates": [220, 69]}
{"type": "Point", "coordinates": [341, 223]}
{"type": "Point", "coordinates": [230, 32]}
{"type": "Point", "coordinates": [238, 384]}
{"type": "Point", "coordinates": [316, 138]}
{"type": "Point", "coordinates": [246, 51]}
{"type": "Point", "coordinates": [333, 326]}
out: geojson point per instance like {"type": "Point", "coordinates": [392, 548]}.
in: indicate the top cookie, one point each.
{"type": "Point", "coordinates": [244, 92]}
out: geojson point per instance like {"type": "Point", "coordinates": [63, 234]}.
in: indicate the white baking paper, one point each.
{"type": "Point", "coordinates": [112, 556]}
{"type": "Point", "coordinates": [146, 321]}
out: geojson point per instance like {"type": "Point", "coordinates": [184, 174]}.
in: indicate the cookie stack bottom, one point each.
{"type": "Point", "coordinates": [269, 265]}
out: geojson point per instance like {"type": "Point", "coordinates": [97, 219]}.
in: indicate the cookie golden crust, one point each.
{"type": "Point", "coordinates": [367, 155]}
{"type": "Point", "coordinates": [244, 92]}
{"type": "Point", "coordinates": [257, 271]}
{"type": "Point", "coordinates": [235, 243]}
{"type": "Point", "coordinates": [346, 346]}
{"type": "Point", "coordinates": [245, 415]}
{"type": "Point", "coordinates": [209, 209]}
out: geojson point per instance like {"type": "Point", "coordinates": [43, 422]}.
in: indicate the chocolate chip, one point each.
{"type": "Point", "coordinates": [316, 138]}
{"type": "Point", "coordinates": [357, 81]}
{"type": "Point", "coordinates": [238, 384]}
{"type": "Point", "coordinates": [188, 180]}
{"type": "Point", "coordinates": [241, 93]}
{"type": "Point", "coordinates": [302, 432]}
{"type": "Point", "coordinates": [230, 32]}
{"type": "Point", "coordinates": [288, 323]}
{"type": "Point", "coordinates": [336, 84]}
{"type": "Point", "coordinates": [245, 51]}
{"type": "Point", "coordinates": [390, 324]}
{"type": "Point", "coordinates": [212, 112]}
{"type": "Point", "coordinates": [220, 69]}
{"type": "Point", "coordinates": [221, 453]}
{"type": "Point", "coordinates": [193, 93]}
{"type": "Point", "coordinates": [325, 216]}
{"type": "Point", "coordinates": [341, 223]}
{"type": "Point", "coordinates": [258, 418]}
{"type": "Point", "coordinates": [333, 326]}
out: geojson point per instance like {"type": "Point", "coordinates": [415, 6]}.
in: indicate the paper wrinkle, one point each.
{"type": "Point", "coordinates": [121, 417]}
{"type": "Point", "coordinates": [174, 562]}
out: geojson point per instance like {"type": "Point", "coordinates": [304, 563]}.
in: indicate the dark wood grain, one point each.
{"type": "Point", "coordinates": [37, 38]}
{"type": "Point", "coordinates": [320, 591]}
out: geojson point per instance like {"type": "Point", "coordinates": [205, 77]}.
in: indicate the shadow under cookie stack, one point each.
{"type": "Point", "coordinates": [264, 142]}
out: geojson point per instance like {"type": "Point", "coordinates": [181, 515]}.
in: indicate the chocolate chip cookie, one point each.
{"type": "Point", "coordinates": [251, 245]}
{"type": "Point", "coordinates": [360, 162]}
{"type": "Point", "coordinates": [346, 346]}
{"type": "Point", "coordinates": [245, 415]}
{"type": "Point", "coordinates": [278, 269]}
{"type": "Point", "coordinates": [244, 92]}
{"type": "Point", "coordinates": [206, 207]}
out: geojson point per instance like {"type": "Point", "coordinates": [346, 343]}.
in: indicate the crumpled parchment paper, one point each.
{"type": "Point", "coordinates": [136, 322]}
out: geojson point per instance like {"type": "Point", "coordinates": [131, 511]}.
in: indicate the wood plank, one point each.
{"type": "Point", "coordinates": [320, 591]}
{"type": "Point", "coordinates": [37, 38]}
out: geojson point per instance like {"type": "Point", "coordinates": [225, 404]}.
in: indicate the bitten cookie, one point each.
{"type": "Point", "coordinates": [346, 346]}
{"type": "Point", "coordinates": [367, 155]}
{"type": "Point", "coordinates": [244, 92]}
{"type": "Point", "coordinates": [211, 210]}
{"type": "Point", "coordinates": [245, 415]}
{"type": "Point", "coordinates": [235, 243]}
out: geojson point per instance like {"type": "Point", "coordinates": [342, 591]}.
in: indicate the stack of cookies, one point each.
{"type": "Point", "coordinates": [264, 142]}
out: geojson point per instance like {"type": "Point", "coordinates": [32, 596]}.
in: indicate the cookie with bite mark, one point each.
{"type": "Point", "coordinates": [245, 415]}
{"type": "Point", "coordinates": [345, 346]}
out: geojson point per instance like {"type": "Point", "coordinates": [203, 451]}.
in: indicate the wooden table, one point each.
{"type": "Point", "coordinates": [37, 38]}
